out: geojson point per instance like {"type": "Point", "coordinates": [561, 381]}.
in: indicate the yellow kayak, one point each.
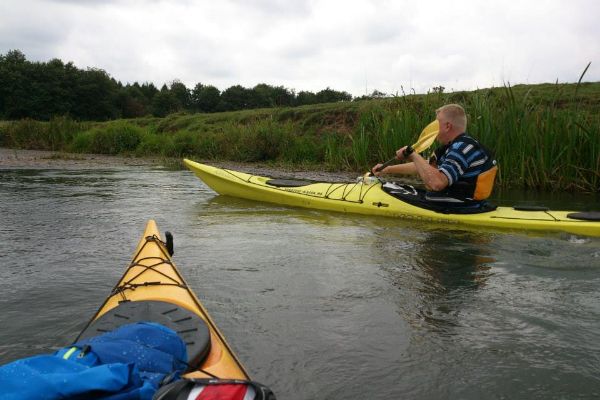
{"type": "Point", "coordinates": [371, 198]}
{"type": "Point", "coordinates": [152, 289]}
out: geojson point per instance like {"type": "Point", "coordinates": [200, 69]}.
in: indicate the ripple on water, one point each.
{"type": "Point", "coordinates": [316, 304]}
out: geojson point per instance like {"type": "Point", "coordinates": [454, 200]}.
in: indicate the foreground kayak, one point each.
{"type": "Point", "coordinates": [150, 340]}
{"type": "Point", "coordinates": [152, 289]}
{"type": "Point", "coordinates": [372, 199]}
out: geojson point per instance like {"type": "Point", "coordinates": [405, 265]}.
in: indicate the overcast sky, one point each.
{"type": "Point", "coordinates": [355, 46]}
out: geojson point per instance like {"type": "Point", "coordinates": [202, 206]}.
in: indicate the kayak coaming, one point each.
{"type": "Point", "coordinates": [152, 265]}
{"type": "Point", "coordinates": [370, 199]}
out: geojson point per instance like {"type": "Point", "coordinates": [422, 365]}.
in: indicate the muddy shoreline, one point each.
{"type": "Point", "coordinates": [17, 158]}
{"type": "Point", "coordinates": [41, 159]}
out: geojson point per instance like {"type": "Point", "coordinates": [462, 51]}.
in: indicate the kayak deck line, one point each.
{"type": "Point", "coordinates": [152, 278]}
{"type": "Point", "coordinates": [371, 199]}
{"type": "Point", "coordinates": [529, 219]}
{"type": "Point", "coordinates": [122, 288]}
{"type": "Point", "coordinates": [251, 180]}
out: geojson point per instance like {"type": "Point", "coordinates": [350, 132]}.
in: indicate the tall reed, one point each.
{"type": "Point", "coordinates": [56, 134]}
{"type": "Point", "coordinates": [544, 137]}
{"type": "Point", "coordinates": [538, 143]}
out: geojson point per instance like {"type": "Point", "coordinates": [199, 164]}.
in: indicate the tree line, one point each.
{"type": "Point", "coordinates": [41, 90]}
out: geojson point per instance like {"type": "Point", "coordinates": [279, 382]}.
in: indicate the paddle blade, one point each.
{"type": "Point", "coordinates": [427, 137]}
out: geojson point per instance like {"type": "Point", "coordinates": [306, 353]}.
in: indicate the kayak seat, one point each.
{"type": "Point", "coordinates": [421, 198]}
{"type": "Point", "coordinates": [288, 182]}
{"type": "Point", "coordinates": [190, 327]}
{"type": "Point", "coordinates": [586, 216]}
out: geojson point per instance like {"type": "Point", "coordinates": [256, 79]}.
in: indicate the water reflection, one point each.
{"type": "Point", "coordinates": [439, 276]}
{"type": "Point", "coordinates": [232, 207]}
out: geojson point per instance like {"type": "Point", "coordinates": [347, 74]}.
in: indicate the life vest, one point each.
{"type": "Point", "coordinates": [478, 187]}
{"type": "Point", "coordinates": [485, 183]}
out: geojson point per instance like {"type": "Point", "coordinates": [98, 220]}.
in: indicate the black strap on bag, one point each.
{"type": "Point", "coordinates": [181, 389]}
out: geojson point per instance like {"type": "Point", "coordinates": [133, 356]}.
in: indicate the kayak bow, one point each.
{"type": "Point", "coordinates": [370, 198]}
{"type": "Point", "coordinates": [152, 289]}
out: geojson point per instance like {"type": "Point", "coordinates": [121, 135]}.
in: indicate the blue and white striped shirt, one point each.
{"type": "Point", "coordinates": [462, 160]}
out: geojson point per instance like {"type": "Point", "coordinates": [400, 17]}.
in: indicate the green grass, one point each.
{"type": "Point", "coordinates": [544, 136]}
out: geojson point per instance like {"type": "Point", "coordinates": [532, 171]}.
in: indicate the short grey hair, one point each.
{"type": "Point", "coordinates": [455, 114]}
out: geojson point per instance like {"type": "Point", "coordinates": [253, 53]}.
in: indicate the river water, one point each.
{"type": "Point", "coordinates": [317, 305]}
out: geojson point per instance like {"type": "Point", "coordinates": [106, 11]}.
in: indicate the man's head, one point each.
{"type": "Point", "coordinates": [452, 120]}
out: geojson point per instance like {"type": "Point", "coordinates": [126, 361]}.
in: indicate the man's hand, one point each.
{"type": "Point", "coordinates": [375, 170]}
{"type": "Point", "coordinates": [400, 153]}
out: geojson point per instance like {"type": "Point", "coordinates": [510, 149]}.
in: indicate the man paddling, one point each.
{"type": "Point", "coordinates": [461, 169]}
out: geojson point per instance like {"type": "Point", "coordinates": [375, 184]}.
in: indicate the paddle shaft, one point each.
{"type": "Point", "coordinates": [406, 153]}
{"type": "Point", "coordinates": [425, 140]}
{"type": "Point", "coordinates": [386, 164]}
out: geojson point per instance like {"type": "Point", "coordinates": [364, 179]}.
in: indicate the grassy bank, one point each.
{"type": "Point", "coordinates": [544, 136]}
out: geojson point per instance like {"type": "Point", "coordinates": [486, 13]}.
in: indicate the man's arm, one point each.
{"type": "Point", "coordinates": [398, 169]}
{"type": "Point", "coordinates": [430, 175]}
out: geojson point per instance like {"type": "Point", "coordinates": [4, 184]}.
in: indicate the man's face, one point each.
{"type": "Point", "coordinates": [445, 128]}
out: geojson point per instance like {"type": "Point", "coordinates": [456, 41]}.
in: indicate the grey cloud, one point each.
{"type": "Point", "coordinates": [299, 48]}
{"type": "Point", "coordinates": [276, 8]}
{"type": "Point", "coordinates": [30, 30]}
{"type": "Point", "coordinates": [310, 44]}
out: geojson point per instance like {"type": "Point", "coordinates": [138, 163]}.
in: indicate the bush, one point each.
{"type": "Point", "coordinates": [153, 144]}
{"type": "Point", "coordinates": [29, 134]}
{"type": "Point", "coordinates": [82, 142]}
{"type": "Point", "coordinates": [264, 141]}
{"type": "Point", "coordinates": [126, 137]}
{"type": "Point", "coordinates": [60, 132]}
{"type": "Point", "coordinates": [304, 149]}
{"type": "Point", "coordinates": [4, 135]}
{"type": "Point", "coordinates": [115, 138]}
{"type": "Point", "coordinates": [26, 134]}
{"type": "Point", "coordinates": [184, 143]}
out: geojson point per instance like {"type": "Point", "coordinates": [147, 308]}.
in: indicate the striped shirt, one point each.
{"type": "Point", "coordinates": [461, 161]}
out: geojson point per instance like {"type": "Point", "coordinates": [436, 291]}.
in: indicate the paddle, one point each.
{"type": "Point", "coordinates": [426, 138]}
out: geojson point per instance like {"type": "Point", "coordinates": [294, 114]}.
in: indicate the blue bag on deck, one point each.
{"type": "Point", "coordinates": [127, 363]}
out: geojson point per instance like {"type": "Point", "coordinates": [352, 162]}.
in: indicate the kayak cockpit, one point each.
{"type": "Point", "coordinates": [192, 329]}
{"type": "Point", "coordinates": [585, 216]}
{"type": "Point", "coordinates": [420, 198]}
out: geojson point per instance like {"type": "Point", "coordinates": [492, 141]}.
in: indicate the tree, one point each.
{"type": "Point", "coordinates": [376, 94]}
{"type": "Point", "coordinates": [15, 57]}
{"type": "Point", "coordinates": [262, 96]}
{"type": "Point", "coordinates": [305, 98]}
{"type": "Point", "coordinates": [52, 94]}
{"type": "Point", "coordinates": [282, 96]}
{"type": "Point", "coordinates": [330, 96]}
{"type": "Point", "coordinates": [235, 98]}
{"type": "Point", "coordinates": [205, 98]}
{"type": "Point", "coordinates": [148, 90]}
{"type": "Point", "coordinates": [182, 94]}
{"type": "Point", "coordinates": [164, 103]}
{"type": "Point", "coordinates": [95, 95]}
{"type": "Point", "coordinates": [14, 85]}
{"type": "Point", "coordinates": [132, 102]}
{"type": "Point", "coordinates": [272, 96]}
{"type": "Point", "coordinates": [43, 90]}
